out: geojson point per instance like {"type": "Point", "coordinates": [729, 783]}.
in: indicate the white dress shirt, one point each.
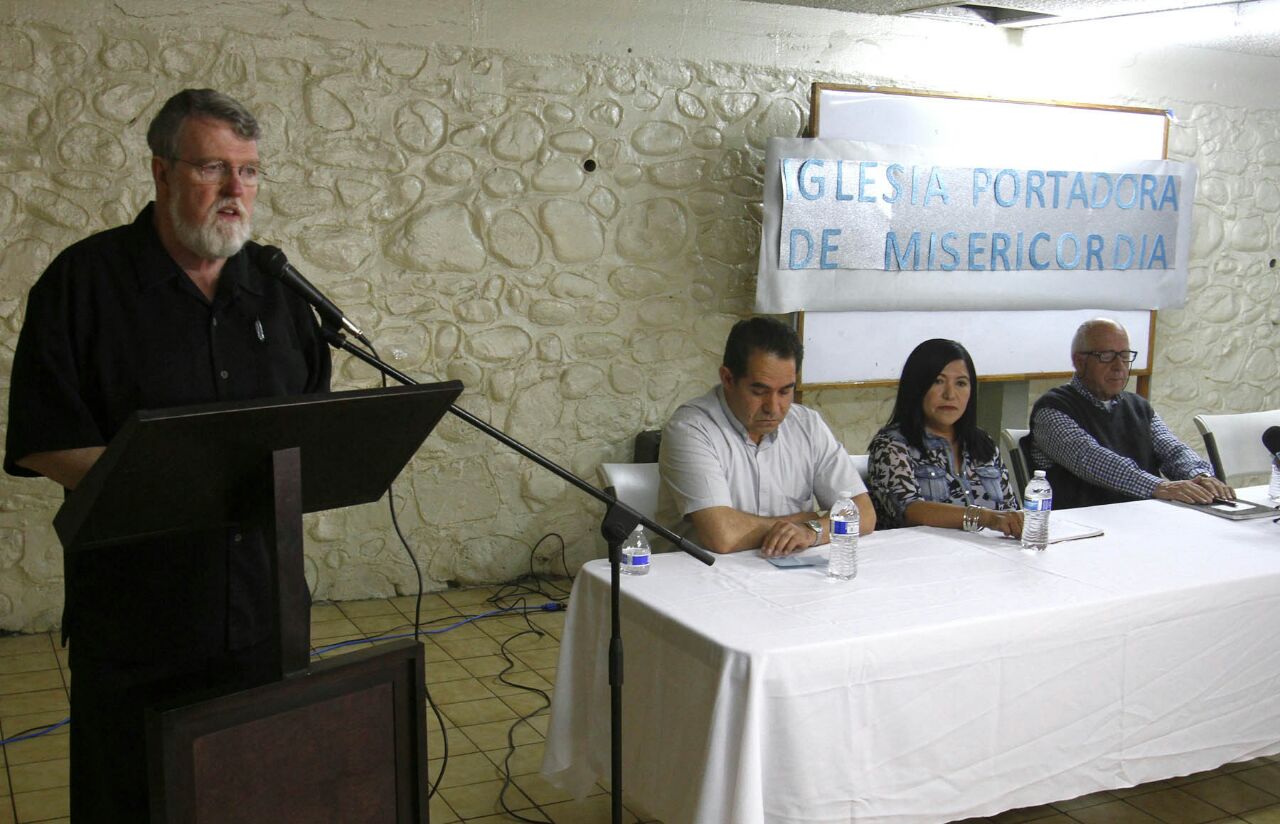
{"type": "Point", "coordinates": [707, 459]}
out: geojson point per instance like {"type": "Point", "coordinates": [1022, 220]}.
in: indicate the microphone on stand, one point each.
{"type": "Point", "coordinates": [273, 261]}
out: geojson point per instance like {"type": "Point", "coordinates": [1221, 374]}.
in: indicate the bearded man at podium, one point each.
{"type": "Point", "coordinates": [166, 311]}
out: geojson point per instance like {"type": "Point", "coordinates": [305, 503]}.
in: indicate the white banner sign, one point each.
{"type": "Point", "coordinates": [852, 225]}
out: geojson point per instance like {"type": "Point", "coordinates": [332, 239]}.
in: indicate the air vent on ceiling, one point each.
{"type": "Point", "coordinates": [1000, 16]}
{"type": "Point", "coordinates": [986, 13]}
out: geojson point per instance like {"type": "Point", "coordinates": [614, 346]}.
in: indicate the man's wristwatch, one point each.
{"type": "Point", "coordinates": [816, 526]}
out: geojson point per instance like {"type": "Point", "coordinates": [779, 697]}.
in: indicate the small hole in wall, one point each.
{"type": "Point", "coordinates": [1272, 264]}
{"type": "Point", "coordinates": [590, 166]}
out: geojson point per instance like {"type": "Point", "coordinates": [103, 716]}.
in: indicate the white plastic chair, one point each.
{"type": "Point", "coordinates": [635, 484]}
{"type": "Point", "coordinates": [1015, 460]}
{"type": "Point", "coordinates": [860, 463]}
{"type": "Point", "coordinates": [1234, 442]}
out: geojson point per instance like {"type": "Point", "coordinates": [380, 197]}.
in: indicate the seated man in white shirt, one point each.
{"type": "Point", "coordinates": [742, 466]}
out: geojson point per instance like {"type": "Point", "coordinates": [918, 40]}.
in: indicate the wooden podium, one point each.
{"type": "Point", "coordinates": [342, 740]}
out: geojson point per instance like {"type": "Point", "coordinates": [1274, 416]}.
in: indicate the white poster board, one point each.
{"type": "Point", "coordinates": [858, 347]}
{"type": "Point", "coordinates": [1008, 345]}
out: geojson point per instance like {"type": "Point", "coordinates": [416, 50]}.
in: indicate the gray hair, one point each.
{"type": "Point", "coordinates": [1080, 341]}
{"type": "Point", "coordinates": [162, 134]}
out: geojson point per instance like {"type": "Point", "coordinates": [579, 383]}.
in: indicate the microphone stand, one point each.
{"type": "Point", "coordinates": [618, 523]}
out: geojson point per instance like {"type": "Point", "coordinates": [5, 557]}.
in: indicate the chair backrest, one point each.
{"type": "Point", "coordinates": [1015, 460]}
{"type": "Point", "coordinates": [646, 447]}
{"type": "Point", "coordinates": [1234, 442]}
{"type": "Point", "coordinates": [860, 463]}
{"type": "Point", "coordinates": [635, 484]}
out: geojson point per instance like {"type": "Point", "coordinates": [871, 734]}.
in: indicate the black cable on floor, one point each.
{"type": "Point", "coordinates": [520, 591]}
{"type": "Point", "coordinates": [432, 786]}
{"type": "Point", "coordinates": [522, 719]}
{"type": "Point", "coordinates": [563, 565]}
{"type": "Point", "coordinates": [519, 586]}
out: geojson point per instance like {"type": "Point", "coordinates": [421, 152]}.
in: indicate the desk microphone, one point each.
{"type": "Point", "coordinates": [273, 261]}
{"type": "Point", "coordinates": [1271, 439]}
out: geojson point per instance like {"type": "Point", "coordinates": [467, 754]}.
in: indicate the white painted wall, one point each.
{"type": "Point", "coordinates": [427, 171]}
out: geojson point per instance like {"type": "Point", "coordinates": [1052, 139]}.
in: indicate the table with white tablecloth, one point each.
{"type": "Point", "coordinates": [956, 676]}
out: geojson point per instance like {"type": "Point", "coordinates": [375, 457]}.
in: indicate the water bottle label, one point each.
{"type": "Point", "coordinates": [1039, 506]}
{"type": "Point", "coordinates": [637, 560]}
{"type": "Point", "coordinates": [843, 528]}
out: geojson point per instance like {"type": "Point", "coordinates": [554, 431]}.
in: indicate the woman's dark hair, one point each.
{"type": "Point", "coordinates": [923, 366]}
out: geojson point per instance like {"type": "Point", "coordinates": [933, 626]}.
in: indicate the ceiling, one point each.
{"type": "Point", "coordinates": [1245, 26]}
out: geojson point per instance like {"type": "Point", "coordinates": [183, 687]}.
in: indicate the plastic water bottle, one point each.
{"type": "Point", "coordinates": [1273, 491]}
{"type": "Point", "coordinates": [635, 553]}
{"type": "Point", "coordinates": [1037, 503]}
{"type": "Point", "coordinates": [845, 522]}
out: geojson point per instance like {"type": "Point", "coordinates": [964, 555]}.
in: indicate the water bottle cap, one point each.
{"type": "Point", "coordinates": [845, 493]}
{"type": "Point", "coordinates": [1039, 473]}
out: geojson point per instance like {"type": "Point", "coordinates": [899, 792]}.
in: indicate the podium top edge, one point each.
{"type": "Point", "coordinates": [453, 387]}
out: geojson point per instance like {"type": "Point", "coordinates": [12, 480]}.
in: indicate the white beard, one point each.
{"type": "Point", "coordinates": [212, 239]}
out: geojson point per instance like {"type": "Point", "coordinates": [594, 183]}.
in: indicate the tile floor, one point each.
{"type": "Point", "coordinates": [463, 665]}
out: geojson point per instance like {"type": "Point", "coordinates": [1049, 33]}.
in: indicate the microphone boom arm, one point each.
{"type": "Point", "coordinates": [624, 521]}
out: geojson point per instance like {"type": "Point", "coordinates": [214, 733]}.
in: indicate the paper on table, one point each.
{"type": "Point", "coordinates": [808, 558]}
{"type": "Point", "coordinates": [1061, 529]}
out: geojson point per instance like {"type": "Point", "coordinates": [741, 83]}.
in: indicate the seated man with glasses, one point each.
{"type": "Point", "coordinates": [1103, 445]}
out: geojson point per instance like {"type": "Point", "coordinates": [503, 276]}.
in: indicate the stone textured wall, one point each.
{"type": "Point", "coordinates": [569, 235]}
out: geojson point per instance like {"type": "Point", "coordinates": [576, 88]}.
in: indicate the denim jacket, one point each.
{"type": "Point", "coordinates": [900, 475]}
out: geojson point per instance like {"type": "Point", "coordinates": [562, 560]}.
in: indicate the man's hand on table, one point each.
{"type": "Point", "coordinates": [1216, 487]}
{"type": "Point", "coordinates": [1201, 490]}
{"type": "Point", "coordinates": [787, 538]}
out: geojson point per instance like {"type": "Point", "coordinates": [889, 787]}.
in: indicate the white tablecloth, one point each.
{"type": "Point", "coordinates": [956, 676]}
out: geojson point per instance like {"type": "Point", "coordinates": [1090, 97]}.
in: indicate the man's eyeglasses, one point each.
{"type": "Point", "coordinates": [218, 171]}
{"type": "Point", "coordinates": [1107, 356]}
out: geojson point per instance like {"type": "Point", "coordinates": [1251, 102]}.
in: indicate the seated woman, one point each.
{"type": "Point", "coordinates": [932, 465]}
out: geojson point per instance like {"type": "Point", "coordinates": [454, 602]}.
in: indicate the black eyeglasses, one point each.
{"type": "Point", "coordinates": [1107, 356]}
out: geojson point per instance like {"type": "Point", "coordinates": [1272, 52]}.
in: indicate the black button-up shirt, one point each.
{"type": "Point", "coordinates": [114, 325]}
